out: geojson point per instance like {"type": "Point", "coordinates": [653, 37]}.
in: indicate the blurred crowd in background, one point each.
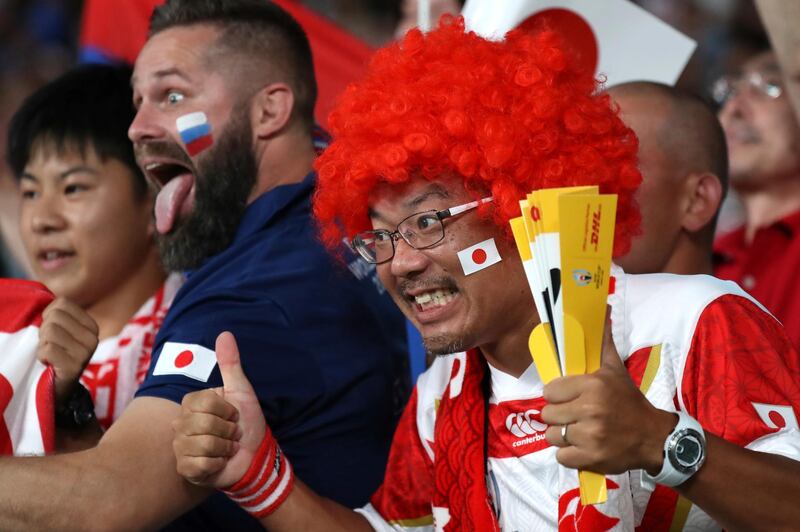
{"type": "Point", "coordinates": [39, 40]}
{"type": "Point", "coordinates": [144, 283]}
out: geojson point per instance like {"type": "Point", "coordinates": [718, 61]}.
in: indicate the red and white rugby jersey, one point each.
{"type": "Point", "coordinates": [119, 364]}
{"type": "Point", "coordinates": [26, 385]}
{"type": "Point", "coordinates": [690, 342]}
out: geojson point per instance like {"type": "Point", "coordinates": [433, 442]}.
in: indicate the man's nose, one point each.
{"type": "Point", "coordinates": [408, 261]}
{"type": "Point", "coordinates": [46, 216]}
{"type": "Point", "coordinates": [736, 104]}
{"type": "Point", "coordinates": [145, 125]}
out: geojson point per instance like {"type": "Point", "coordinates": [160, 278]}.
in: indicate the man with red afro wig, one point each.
{"type": "Point", "coordinates": [432, 152]}
{"type": "Point", "coordinates": [435, 105]}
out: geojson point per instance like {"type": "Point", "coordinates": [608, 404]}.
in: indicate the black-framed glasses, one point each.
{"type": "Point", "coordinates": [725, 87]}
{"type": "Point", "coordinates": [421, 230]}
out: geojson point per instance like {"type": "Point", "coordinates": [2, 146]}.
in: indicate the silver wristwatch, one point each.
{"type": "Point", "coordinates": [684, 453]}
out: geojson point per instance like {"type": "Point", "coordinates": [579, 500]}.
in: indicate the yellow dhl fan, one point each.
{"type": "Point", "coordinates": [565, 238]}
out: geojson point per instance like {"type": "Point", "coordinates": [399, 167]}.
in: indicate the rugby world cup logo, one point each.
{"type": "Point", "coordinates": [582, 277]}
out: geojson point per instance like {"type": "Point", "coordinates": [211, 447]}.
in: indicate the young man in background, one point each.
{"type": "Point", "coordinates": [86, 224]}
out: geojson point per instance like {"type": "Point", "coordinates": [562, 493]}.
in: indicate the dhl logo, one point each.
{"type": "Point", "coordinates": [596, 217]}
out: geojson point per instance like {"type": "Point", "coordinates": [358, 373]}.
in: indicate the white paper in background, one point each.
{"type": "Point", "coordinates": [541, 249]}
{"type": "Point", "coordinates": [632, 44]}
{"type": "Point", "coordinates": [539, 268]}
{"type": "Point", "coordinates": [534, 283]}
{"type": "Point", "coordinates": [550, 248]}
{"type": "Point", "coordinates": [532, 273]}
{"type": "Point", "coordinates": [424, 15]}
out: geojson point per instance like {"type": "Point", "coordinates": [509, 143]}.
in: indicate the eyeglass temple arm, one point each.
{"type": "Point", "coordinates": [458, 209]}
{"type": "Point", "coordinates": [452, 211]}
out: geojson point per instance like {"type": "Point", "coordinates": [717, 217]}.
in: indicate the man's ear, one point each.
{"type": "Point", "coordinates": [271, 109]}
{"type": "Point", "coordinates": [704, 197]}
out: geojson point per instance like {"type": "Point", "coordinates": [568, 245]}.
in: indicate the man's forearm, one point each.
{"type": "Point", "coordinates": [304, 510]}
{"type": "Point", "coordinates": [70, 441]}
{"type": "Point", "coordinates": [51, 493]}
{"type": "Point", "coordinates": [126, 482]}
{"type": "Point", "coordinates": [746, 490]}
{"type": "Point", "coordinates": [739, 488]}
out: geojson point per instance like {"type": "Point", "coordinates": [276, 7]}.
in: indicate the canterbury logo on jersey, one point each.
{"type": "Point", "coordinates": [518, 427]}
{"type": "Point", "coordinates": [523, 424]}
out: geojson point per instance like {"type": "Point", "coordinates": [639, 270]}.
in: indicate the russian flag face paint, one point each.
{"type": "Point", "coordinates": [195, 132]}
{"type": "Point", "coordinates": [481, 255]}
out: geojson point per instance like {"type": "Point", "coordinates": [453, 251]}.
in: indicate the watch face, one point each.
{"type": "Point", "coordinates": [687, 450]}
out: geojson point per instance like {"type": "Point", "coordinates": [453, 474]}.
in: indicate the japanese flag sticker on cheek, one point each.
{"type": "Point", "coordinates": [479, 256]}
{"type": "Point", "coordinates": [195, 132]}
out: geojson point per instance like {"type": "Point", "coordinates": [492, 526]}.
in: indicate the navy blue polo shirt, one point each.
{"type": "Point", "coordinates": [323, 346]}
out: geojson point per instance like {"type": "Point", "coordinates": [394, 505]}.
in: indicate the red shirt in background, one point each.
{"type": "Point", "coordinates": [768, 268]}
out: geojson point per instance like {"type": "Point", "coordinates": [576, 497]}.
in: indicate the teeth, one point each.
{"type": "Point", "coordinates": [152, 166]}
{"type": "Point", "coordinates": [424, 298]}
{"type": "Point", "coordinates": [51, 255]}
{"type": "Point", "coordinates": [434, 299]}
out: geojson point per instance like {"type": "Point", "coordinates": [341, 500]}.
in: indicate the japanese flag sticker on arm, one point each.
{"type": "Point", "coordinates": [190, 360]}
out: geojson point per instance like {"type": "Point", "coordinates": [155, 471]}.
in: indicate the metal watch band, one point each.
{"type": "Point", "coordinates": [669, 474]}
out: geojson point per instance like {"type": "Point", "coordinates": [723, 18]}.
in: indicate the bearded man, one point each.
{"type": "Point", "coordinates": [225, 92]}
{"type": "Point", "coordinates": [432, 152]}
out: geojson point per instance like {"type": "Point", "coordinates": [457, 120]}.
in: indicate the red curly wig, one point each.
{"type": "Point", "coordinates": [509, 117]}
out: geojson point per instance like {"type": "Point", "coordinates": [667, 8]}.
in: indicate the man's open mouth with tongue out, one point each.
{"type": "Point", "coordinates": [200, 200]}
{"type": "Point", "coordinates": [168, 168]}
{"type": "Point", "coordinates": [175, 198]}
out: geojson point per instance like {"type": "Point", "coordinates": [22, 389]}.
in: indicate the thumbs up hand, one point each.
{"type": "Point", "coordinates": [610, 426]}
{"type": "Point", "coordinates": [220, 429]}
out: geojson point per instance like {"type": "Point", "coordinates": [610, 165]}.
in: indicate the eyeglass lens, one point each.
{"type": "Point", "coordinates": [725, 87]}
{"type": "Point", "coordinates": [419, 230]}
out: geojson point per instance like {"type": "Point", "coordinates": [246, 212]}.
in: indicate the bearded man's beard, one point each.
{"type": "Point", "coordinates": [223, 182]}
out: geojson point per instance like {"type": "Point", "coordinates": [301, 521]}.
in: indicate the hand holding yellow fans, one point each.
{"type": "Point", "coordinates": [567, 266]}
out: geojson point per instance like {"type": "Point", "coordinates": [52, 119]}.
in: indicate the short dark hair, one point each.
{"type": "Point", "coordinates": [87, 107]}
{"type": "Point", "coordinates": [692, 135]}
{"type": "Point", "coordinates": [258, 30]}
